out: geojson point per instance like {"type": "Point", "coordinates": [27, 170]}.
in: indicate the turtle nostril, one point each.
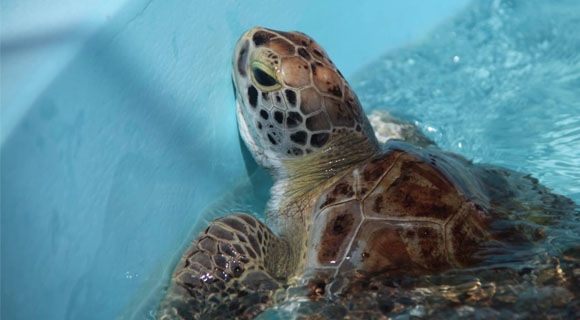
{"type": "Point", "coordinates": [242, 58]}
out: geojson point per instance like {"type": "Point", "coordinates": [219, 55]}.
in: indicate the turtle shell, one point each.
{"type": "Point", "coordinates": [408, 210]}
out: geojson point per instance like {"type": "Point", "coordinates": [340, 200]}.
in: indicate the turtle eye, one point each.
{"type": "Point", "coordinates": [263, 78]}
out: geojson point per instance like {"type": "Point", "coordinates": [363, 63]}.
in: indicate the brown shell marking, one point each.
{"type": "Point", "coordinates": [398, 212]}
{"type": "Point", "coordinates": [399, 246]}
{"type": "Point", "coordinates": [412, 188]}
{"type": "Point", "coordinates": [337, 233]}
{"type": "Point", "coordinates": [342, 191]}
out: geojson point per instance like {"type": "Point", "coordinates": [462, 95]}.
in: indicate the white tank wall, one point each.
{"type": "Point", "coordinates": [118, 127]}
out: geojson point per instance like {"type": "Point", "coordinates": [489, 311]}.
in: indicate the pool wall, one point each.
{"type": "Point", "coordinates": [118, 129]}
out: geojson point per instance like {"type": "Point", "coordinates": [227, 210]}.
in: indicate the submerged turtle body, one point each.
{"type": "Point", "coordinates": [342, 208]}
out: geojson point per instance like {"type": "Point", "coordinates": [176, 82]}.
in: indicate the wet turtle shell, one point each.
{"type": "Point", "coordinates": [420, 211]}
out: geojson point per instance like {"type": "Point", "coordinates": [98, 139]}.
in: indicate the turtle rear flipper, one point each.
{"type": "Point", "coordinates": [231, 270]}
{"type": "Point", "coordinates": [517, 195]}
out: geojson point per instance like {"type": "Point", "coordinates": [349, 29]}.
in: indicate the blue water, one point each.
{"type": "Point", "coordinates": [499, 84]}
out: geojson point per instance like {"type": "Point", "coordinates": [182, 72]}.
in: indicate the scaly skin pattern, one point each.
{"type": "Point", "coordinates": [291, 96]}
{"type": "Point", "coordinates": [235, 258]}
{"type": "Point", "coordinates": [340, 210]}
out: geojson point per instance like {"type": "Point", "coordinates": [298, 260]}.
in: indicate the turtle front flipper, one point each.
{"type": "Point", "coordinates": [231, 270]}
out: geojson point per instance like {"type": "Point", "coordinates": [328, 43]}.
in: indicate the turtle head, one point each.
{"type": "Point", "coordinates": [293, 103]}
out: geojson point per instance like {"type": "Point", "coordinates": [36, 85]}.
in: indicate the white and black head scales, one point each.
{"type": "Point", "coordinates": [292, 100]}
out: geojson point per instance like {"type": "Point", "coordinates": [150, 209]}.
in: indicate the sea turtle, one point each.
{"type": "Point", "coordinates": [343, 207]}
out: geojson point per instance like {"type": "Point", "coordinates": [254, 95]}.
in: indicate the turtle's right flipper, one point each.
{"type": "Point", "coordinates": [231, 270]}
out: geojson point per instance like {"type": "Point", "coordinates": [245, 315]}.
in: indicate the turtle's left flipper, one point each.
{"type": "Point", "coordinates": [231, 270]}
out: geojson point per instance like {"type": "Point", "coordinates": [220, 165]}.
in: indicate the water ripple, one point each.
{"type": "Point", "coordinates": [499, 84]}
